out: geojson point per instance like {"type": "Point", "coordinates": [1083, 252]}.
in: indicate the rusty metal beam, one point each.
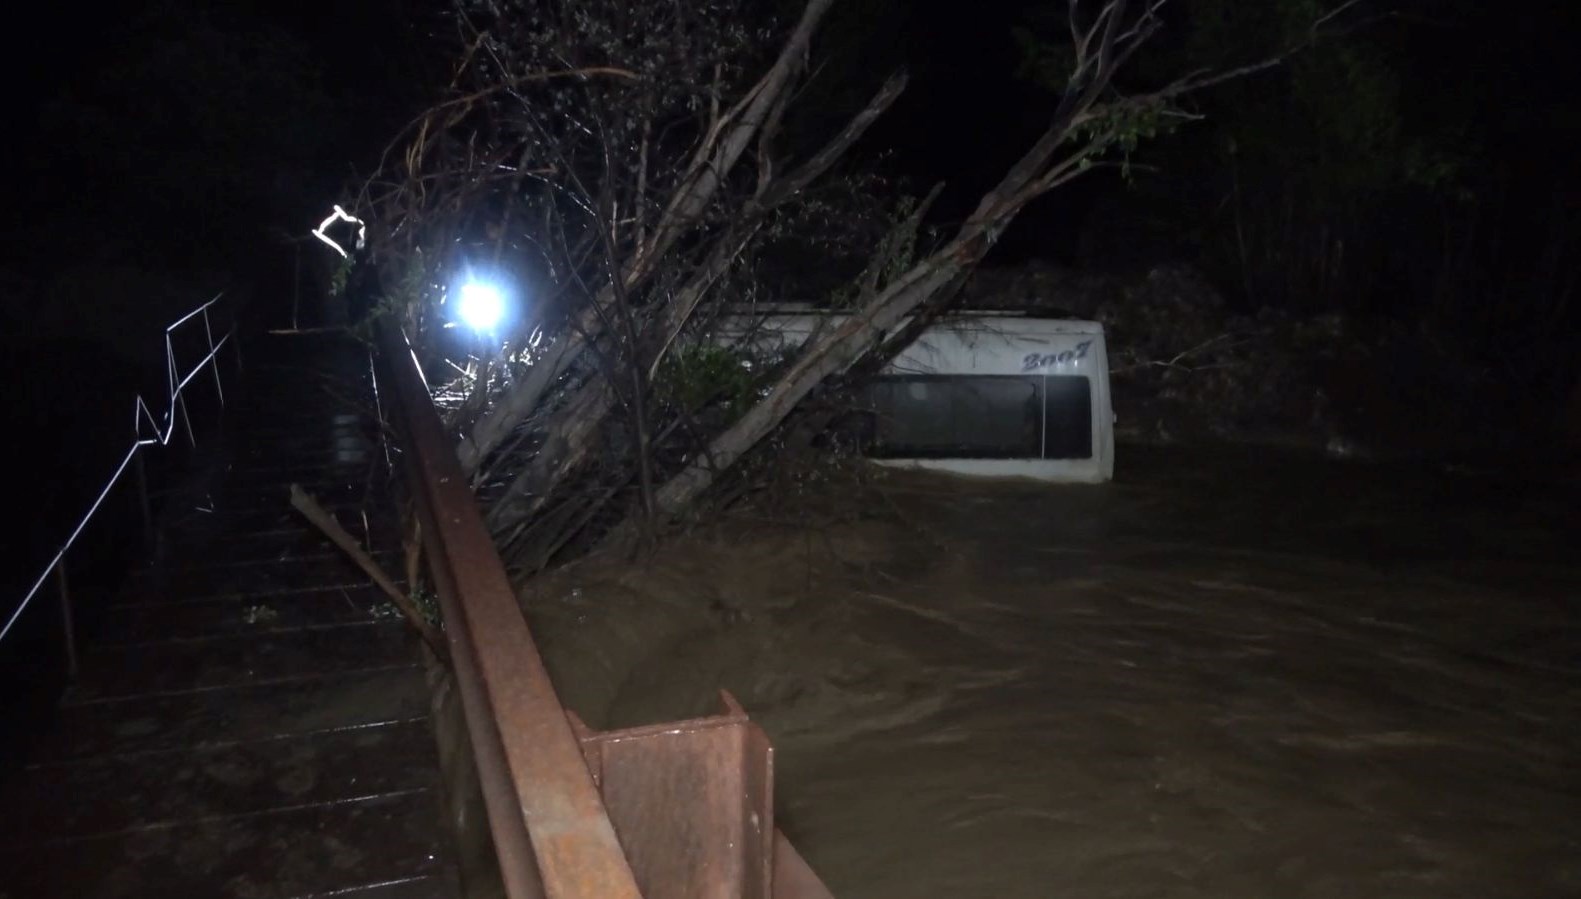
{"type": "Point", "coordinates": [693, 803]}
{"type": "Point", "coordinates": [551, 832]}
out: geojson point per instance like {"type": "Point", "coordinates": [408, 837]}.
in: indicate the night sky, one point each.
{"type": "Point", "coordinates": [370, 64]}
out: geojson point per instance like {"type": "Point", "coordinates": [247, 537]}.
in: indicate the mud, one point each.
{"type": "Point", "coordinates": [1228, 674]}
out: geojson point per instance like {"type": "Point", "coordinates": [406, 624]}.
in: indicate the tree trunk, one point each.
{"type": "Point", "coordinates": [716, 157]}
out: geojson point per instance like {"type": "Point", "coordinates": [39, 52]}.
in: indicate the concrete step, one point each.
{"type": "Point", "coordinates": [316, 849]}
{"type": "Point", "coordinates": [211, 663]}
{"type": "Point", "coordinates": [125, 793]}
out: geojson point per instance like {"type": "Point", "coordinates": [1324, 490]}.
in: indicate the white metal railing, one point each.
{"type": "Point", "coordinates": [162, 429]}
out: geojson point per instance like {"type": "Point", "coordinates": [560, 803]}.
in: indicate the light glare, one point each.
{"type": "Point", "coordinates": [341, 215]}
{"type": "Point", "coordinates": [482, 305]}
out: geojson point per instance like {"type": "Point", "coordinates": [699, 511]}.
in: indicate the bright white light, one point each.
{"type": "Point", "coordinates": [482, 306]}
{"type": "Point", "coordinates": [341, 215]}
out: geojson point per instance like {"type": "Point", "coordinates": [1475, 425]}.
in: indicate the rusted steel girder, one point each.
{"type": "Point", "coordinates": [693, 803]}
{"type": "Point", "coordinates": [551, 832]}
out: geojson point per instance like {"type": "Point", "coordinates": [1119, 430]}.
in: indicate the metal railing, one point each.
{"type": "Point", "coordinates": [675, 810]}
{"type": "Point", "coordinates": [530, 763]}
{"type": "Point", "coordinates": [147, 431]}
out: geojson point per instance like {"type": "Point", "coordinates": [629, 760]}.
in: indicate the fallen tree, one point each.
{"type": "Point", "coordinates": [643, 165]}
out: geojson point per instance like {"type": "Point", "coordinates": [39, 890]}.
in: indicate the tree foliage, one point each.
{"type": "Point", "coordinates": [648, 171]}
{"type": "Point", "coordinates": [1294, 173]}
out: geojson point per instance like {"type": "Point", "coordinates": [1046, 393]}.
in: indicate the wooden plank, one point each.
{"type": "Point", "coordinates": [171, 621]}
{"type": "Point", "coordinates": [233, 661]}
{"type": "Point", "coordinates": [287, 853]}
{"type": "Point", "coordinates": [254, 578]}
{"type": "Point", "coordinates": [125, 793]}
{"type": "Point", "coordinates": [256, 712]}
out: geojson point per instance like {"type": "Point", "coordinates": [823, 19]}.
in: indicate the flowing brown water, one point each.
{"type": "Point", "coordinates": [1228, 674]}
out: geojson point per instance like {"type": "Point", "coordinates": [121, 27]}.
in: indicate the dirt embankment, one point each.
{"type": "Point", "coordinates": [745, 605]}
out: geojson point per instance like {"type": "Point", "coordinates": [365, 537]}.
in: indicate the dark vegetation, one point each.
{"type": "Point", "coordinates": [641, 176]}
{"type": "Point", "coordinates": [1393, 210]}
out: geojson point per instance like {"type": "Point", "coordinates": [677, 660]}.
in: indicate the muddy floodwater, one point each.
{"type": "Point", "coordinates": [1227, 674]}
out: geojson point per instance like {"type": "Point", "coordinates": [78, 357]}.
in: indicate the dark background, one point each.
{"type": "Point", "coordinates": [174, 140]}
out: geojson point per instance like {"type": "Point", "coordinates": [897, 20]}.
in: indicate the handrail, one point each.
{"type": "Point", "coordinates": [176, 385]}
{"type": "Point", "coordinates": [551, 832]}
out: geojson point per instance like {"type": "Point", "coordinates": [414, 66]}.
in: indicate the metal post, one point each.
{"type": "Point", "coordinates": [181, 403]}
{"type": "Point", "coordinates": [144, 506]}
{"type": "Point", "coordinates": [214, 363]}
{"type": "Point", "coordinates": [66, 620]}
